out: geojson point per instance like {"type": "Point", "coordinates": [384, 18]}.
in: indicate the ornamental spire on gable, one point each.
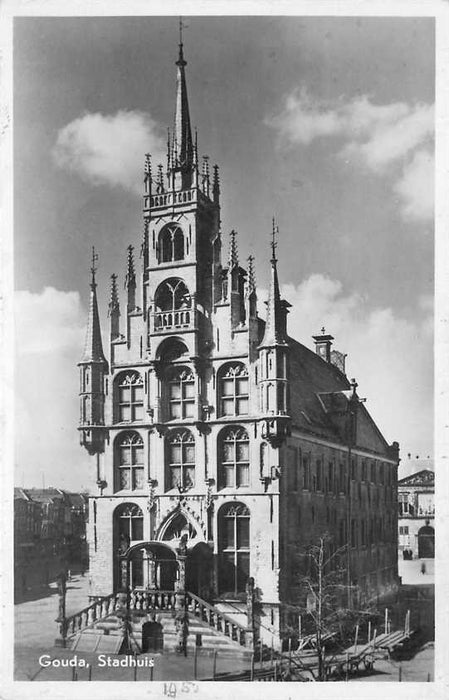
{"type": "Point", "coordinates": [233, 255]}
{"type": "Point", "coordinates": [275, 327]}
{"type": "Point", "coordinates": [93, 349]}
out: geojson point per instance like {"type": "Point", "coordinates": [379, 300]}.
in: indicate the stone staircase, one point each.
{"type": "Point", "coordinates": [99, 627]}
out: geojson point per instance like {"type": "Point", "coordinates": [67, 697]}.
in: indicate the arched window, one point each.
{"type": "Point", "coordinates": [234, 546]}
{"type": "Point", "coordinates": [233, 389]}
{"type": "Point", "coordinates": [180, 447]}
{"type": "Point", "coordinates": [129, 397]}
{"type": "Point", "coordinates": [172, 294]}
{"type": "Point", "coordinates": [128, 529]}
{"type": "Point", "coordinates": [130, 524]}
{"type": "Point", "coordinates": [171, 243]}
{"type": "Point", "coordinates": [129, 462]}
{"type": "Point", "coordinates": [173, 305]}
{"type": "Point", "coordinates": [180, 390]}
{"type": "Point", "coordinates": [233, 458]}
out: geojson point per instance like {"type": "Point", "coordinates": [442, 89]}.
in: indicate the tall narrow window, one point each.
{"type": "Point", "coordinates": [234, 458]}
{"type": "Point", "coordinates": [234, 547]}
{"type": "Point", "coordinates": [319, 475]}
{"type": "Point", "coordinates": [181, 393]}
{"type": "Point", "coordinates": [306, 471]}
{"type": "Point", "coordinates": [130, 522]}
{"type": "Point", "coordinates": [171, 243]}
{"type": "Point", "coordinates": [330, 477]}
{"type": "Point", "coordinates": [129, 462]}
{"type": "Point", "coordinates": [233, 390]}
{"type": "Point", "coordinates": [180, 460]}
{"type": "Point", "coordinates": [342, 484]}
{"type": "Point", "coordinates": [128, 529]}
{"type": "Point", "coordinates": [129, 397]}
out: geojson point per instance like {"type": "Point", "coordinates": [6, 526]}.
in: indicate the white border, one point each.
{"type": "Point", "coordinates": [387, 8]}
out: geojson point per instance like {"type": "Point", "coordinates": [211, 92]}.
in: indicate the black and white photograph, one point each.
{"type": "Point", "coordinates": [224, 442]}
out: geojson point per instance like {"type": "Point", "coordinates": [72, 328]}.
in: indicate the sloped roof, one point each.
{"type": "Point", "coordinates": [425, 477]}
{"type": "Point", "coordinates": [319, 396]}
{"type": "Point", "coordinates": [21, 494]}
{"type": "Point", "coordinates": [45, 495]}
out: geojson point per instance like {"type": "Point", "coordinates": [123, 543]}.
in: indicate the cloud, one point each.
{"type": "Point", "coordinates": [416, 186]}
{"type": "Point", "coordinates": [384, 139]}
{"type": "Point", "coordinates": [49, 334]}
{"type": "Point", "coordinates": [109, 149]}
{"type": "Point", "coordinates": [390, 356]}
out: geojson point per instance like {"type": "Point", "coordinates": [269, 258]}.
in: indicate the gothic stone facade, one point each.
{"type": "Point", "coordinates": [214, 426]}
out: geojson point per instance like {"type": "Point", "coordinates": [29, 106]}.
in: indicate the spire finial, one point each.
{"type": "Point", "coordinates": [180, 61]}
{"type": "Point", "coordinates": [274, 233]}
{"type": "Point", "coordinates": [251, 275]}
{"type": "Point", "coordinates": [93, 269]}
{"type": "Point", "coordinates": [130, 274]}
{"type": "Point", "coordinates": [148, 164]}
{"type": "Point", "coordinates": [233, 257]}
{"type": "Point", "coordinates": [93, 349]}
{"type": "Point", "coordinates": [114, 294]}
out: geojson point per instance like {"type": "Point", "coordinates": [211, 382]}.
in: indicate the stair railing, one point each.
{"type": "Point", "coordinates": [219, 621]}
{"type": "Point", "coordinates": [93, 613]}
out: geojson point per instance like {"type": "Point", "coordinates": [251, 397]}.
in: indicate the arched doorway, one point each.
{"type": "Point", "coordinates": [199, 568]}
{"type": "Point", "coordinates": [152, 635]}
{"type": "Point", "coordinates": [426, 542]}
{"type": "Point", "coordinates": [149, 565]}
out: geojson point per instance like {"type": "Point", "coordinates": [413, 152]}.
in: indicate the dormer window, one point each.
{"type": "Point", "coordinates": [171, 244]}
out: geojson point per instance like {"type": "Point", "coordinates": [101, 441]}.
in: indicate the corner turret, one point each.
{"type": "Point", "coordinates": [273, 354]}
{"type": "Point", "coordinates": [93, 367]}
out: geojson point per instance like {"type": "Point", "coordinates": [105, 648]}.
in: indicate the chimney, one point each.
{"type": "Point", "coordinates": [323, 344]}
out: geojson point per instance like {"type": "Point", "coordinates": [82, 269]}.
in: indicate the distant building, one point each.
{"type": "Point", "coordinates": [49, 531]}
{"type": "Point", "coordinates": [416, 516]}
{"type": "Point", "coordinates": [223, 447]}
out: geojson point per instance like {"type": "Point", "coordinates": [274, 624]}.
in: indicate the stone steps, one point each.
{"type": "Point", "coordinates": [202, 637]}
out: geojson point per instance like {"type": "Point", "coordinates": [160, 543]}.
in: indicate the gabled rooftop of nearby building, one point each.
{"type": "Point", "coordinates": [425, 477]}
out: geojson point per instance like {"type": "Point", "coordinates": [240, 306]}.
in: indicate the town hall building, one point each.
{"type": "Point", "coordinates": [222, 446]}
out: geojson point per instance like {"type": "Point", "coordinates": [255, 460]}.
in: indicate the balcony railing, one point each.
{"type": "Point", "coordinates": [168, 198]}
{"type": "Point", "coordinates": [170, 320]}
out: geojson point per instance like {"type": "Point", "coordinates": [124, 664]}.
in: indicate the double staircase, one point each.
{"type": "Point", "coordinates": [99, 627]}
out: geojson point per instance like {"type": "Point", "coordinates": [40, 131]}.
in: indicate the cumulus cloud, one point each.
{"type": "Point", "coordinates": [394, 138]}
{"type": "Point", "coordinates": [416, 186]}
{"type": "Point", "coordinates": [49, 334]}
{"type": "Point", "coordinates": [391, 357]}
{"type": "Point", "coordinates": [109, 149]}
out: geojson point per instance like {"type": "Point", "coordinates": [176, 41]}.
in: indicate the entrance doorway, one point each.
{"type": "Point", "coordinates": [151, 565]}
{"type": "Point", "coordinates": [426, 542]}
{"type": "Point", "coordinates": [199, 568]}
{"type": "Point", "coordinates": [152, 636]}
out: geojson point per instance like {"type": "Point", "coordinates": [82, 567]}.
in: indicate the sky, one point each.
{"type": "Point", "coordinates": [325, 123]}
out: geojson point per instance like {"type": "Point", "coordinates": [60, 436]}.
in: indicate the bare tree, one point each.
{"type": "Point", "coordinates": [325, 609]}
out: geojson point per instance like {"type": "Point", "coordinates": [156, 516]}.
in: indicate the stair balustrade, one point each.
{"type": "Point", "coordinates": [93, 613]}
{"type": "Point", "coordinates": [144, 600]}
{"type": "Point", "coordinates": [219, 621]}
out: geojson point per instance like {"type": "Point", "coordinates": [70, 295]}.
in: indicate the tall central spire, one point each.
{"type": "Point", "coordinates": [183, 133]}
